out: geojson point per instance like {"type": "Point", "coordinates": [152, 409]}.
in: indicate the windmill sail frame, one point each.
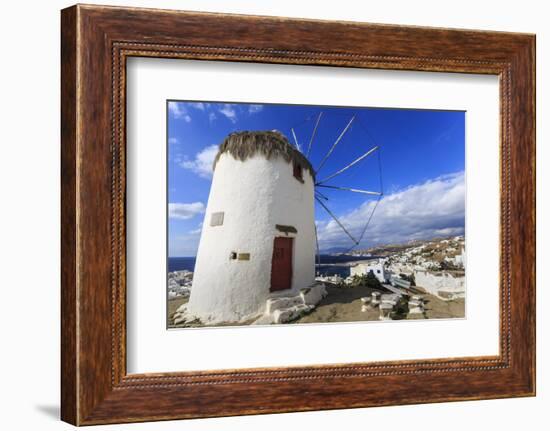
{"type": "Point", "coordinates": [319, 196]}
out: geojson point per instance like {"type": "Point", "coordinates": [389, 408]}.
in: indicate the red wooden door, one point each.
{"type": "Point", "coordinates": [281, 264]}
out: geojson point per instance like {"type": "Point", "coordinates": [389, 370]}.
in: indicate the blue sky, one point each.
{"type": "Point", "coordinates": [420, 162]}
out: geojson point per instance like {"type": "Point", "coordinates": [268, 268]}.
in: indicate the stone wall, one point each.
{"type": "Point", "coordinates": [444, 285]}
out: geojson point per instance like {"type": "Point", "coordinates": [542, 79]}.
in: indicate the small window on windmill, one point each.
{"type": "Point", "coordinates": [297, 171]}
{"type": "Point", "coordinates": [216, 219]}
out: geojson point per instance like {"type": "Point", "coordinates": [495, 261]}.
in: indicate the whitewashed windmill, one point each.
{"type": "Point", "coordinates": [258, 240]}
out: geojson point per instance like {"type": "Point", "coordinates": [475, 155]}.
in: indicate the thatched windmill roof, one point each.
{"type": "Point", "coordinates": [243, 145]}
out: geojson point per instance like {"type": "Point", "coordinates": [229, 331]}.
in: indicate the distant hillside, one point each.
{"type": "Point", "coordinates": [389, 249]}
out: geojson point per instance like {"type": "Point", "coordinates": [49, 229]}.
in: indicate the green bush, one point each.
{"type": "Point", "coordinates": [368, 280]}
{"type": "Point", "coordinates": [409, 278]}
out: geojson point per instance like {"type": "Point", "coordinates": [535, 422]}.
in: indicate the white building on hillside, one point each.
{"type": "Point", "coordinates": [459, 259]}
{"type": "Point", "coordinates": [258, 235]}
{"type": "Point", "coordinates": [377, 268]}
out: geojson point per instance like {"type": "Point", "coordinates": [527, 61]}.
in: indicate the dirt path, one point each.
{"type": "Point", "coordinates": [344, 305]}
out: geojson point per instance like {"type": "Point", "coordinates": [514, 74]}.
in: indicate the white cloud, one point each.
{"type": "Point", "coordinates": [253, 109]}
{"type": "Point", "coordinates": [202, 163]}
{"type": "Point", "coordinates": [229, 112]}
{"type": "Point", "coordinates": [173, 141]}
{"type": "Point", "coordinates": [198, 105]}
{"type": "Point", "coordinates": [196, 231]}
{"type": "Point", "coordinates": [178, 111]}
{"type": "Point", "coordinates": [183, 211]}
{"type": "Point", "coordinates": [433, 208]}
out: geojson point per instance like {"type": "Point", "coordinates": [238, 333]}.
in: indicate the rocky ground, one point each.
{"type": "Point", "coordinates": [344, 305]}
{"type": "Point", "coordinates": [173, 305]}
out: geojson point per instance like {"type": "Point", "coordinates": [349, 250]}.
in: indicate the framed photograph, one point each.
{"type": "Point", "coordinates": [331, 214]}
{"type": "Point", "coordinates": [310, 236]}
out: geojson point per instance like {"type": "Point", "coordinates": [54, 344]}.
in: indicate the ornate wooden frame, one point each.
{"type": "Point", "coordinates": [95, 43]}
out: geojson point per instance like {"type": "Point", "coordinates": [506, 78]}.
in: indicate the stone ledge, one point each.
{"type": "Point", "coordinates": [289, 308]}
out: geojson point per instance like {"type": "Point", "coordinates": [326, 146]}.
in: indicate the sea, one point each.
{"type": "Point", "coordinates": [181, 263]}
{"type": "Point", "coordinates": [326, 267]}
